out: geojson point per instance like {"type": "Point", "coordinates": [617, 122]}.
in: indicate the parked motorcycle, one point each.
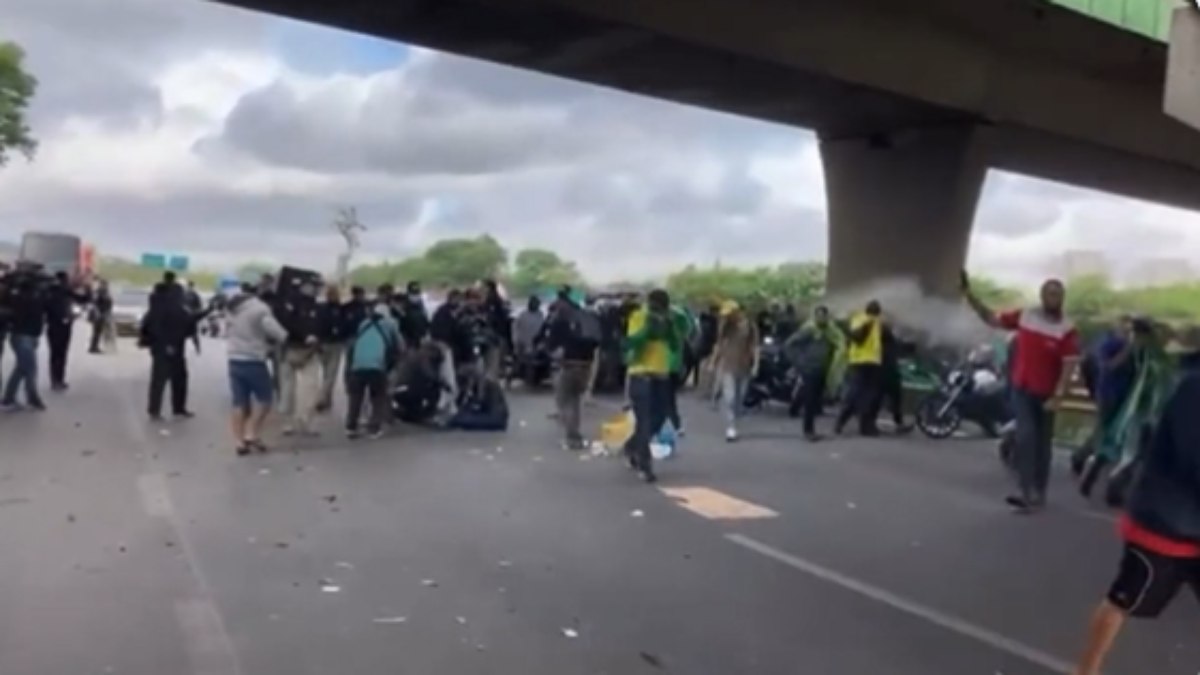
{"type": "Point", "coordinates": [776, 380]}
{"type": "Point", "coordinates": [971, 392]}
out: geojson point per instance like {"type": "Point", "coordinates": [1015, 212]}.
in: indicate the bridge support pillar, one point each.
{"type": "Point", "coordinates": [901, 205]}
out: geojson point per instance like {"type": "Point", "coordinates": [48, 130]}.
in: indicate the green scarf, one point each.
{"type": "Point", "coordinates": [1152, 383]}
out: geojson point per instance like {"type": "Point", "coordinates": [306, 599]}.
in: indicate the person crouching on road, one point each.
{"type": "Point", "coordinates": [650, 337]}
{"type": "Point", "coordinates": [300, 367]}
{"type": "Point", "coordinates": [575, 333]}
{"type": "Point", "coordinates": [1161, 527]}
{"type": "Point", "coordinates": [736, 358]}
{"type": "Point", "coordinates": [373, 354]}
{"type": "Point", "coordinates": [251, 337]}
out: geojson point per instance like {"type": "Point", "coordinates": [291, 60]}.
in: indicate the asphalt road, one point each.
{"type": "Point", "coordinates": [150, 549]}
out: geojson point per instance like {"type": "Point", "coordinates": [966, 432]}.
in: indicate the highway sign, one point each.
{"type": "Point", "coordinates": [178, 263]}
{"type": "Point", "coordinates": [155, 261]}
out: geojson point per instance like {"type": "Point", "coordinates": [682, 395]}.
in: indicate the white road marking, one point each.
{"type": "Point", "coordinates": [155, 501]}
{"type": "Point", "coordinates": [205, 640]}
{"type": "Point", "coordinates": [716, 505]}
{"type": "Point", "coordinates": [954, 624]}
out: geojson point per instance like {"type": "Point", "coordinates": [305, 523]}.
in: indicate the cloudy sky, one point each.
{"type": "Point", "coordinates": [181, 126]}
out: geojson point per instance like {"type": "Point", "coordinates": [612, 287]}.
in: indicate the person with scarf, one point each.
{"type": "Point", "coordinates": [1123, 433]}
{"type": "Point", "coordinates": [813, 350]}
{"type": "Point", "coordinates": [1161, 524]}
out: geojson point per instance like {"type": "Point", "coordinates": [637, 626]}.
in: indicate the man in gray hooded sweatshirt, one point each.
{"type": "Point", "coordinates": [253, 332]}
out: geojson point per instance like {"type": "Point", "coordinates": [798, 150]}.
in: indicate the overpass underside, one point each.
{"type": "Point", "coordinates": [912, 102]}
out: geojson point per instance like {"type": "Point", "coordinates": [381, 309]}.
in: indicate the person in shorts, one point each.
{"type": "Point", "coordinates": [1161, 528]}
{"type": "Point", "coordinates": [251, 337]}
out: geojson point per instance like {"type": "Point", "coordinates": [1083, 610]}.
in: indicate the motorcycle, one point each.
{"type": "Point", "coordinates": [776, 380]}
{"type": "Point", "coordinates": [970, 392]}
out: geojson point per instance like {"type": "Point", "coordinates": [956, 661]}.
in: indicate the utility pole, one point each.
{"type": "Point", "coordinates": [349, 226]}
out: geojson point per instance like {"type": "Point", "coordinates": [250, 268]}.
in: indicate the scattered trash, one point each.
{"type": "Point", "coordinates": [70, 517]}
{"type": "Point", "coordinates": [274, 617]}
{"type": "Point", "coordinates": [570, 633]}
{"type": "Point", "coordinates": [475, 451]}
{"type": "Point", "coordinates": [391, 620]}
{"type": "Point", "coordinates": [331, 498]}
{"type": "Point", "coordinates": [164, 432]}
{"type": "Point", "coordinates": [429, 583]}
{"type": "Point", "coordinates": [328, 586]}
{"type": "Point", "coordinates": [490, 458]}
{"type": "Point", "coordinates": [88, 453]}
{"type": "Point", "coordinates": [170, 544]}
{"type": "Point", "coordinates": [637, 513]}
{"type": "Point", "coordinates": [264, 472]}
{"type": "Point", "coordinates": [851, 505]}
{"type": "Point", "coordinates": [122, 548]}
{"type": "Point", "coordinates": [835, 455]}
{"type": "Point", "coordinates": [480, 648]}
{"type": "Point", "coordinates": [538, 458]}
{"type": "Point", "coordinates": [462, 621]}
{"type": "Point", "coordinates": [281, 544]}
{"type": "Point", "coordinates": [251, 540]}
{"type": "Point", "coordinates": [499, 449]}
{"type": "Point", "coordinates": [344, 565]}
{"type": "Point", "coordinates": [651, 660]}
{"type": "Point", "coordinates": [505, 563]}
{"type": "Point", "coordinates": [174, 474]}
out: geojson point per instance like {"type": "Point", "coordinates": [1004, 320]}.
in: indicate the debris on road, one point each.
{"type": "Point", "coordinates": [88, 453]}
{"type": "Point", "coordinates": [538, 458]}
{"type": "Point", "coordinates": [499, 449]}
{"type": "Point", "coordinates": [343, 565]}
{"type": "Point", "coordinates": [637, 513]}
{"type": "Point", "coordinates": [462, 621]}
{"type": "Point", "coordinates": [490, 457]}
{"type": "Point", "coordinates": [522, 424]}
{"type": "Point", "coordinates": [328, 586]}
{"type": "Point", "coordinates": [70, 517]}
{"type": "Point", "coordinates": [851, 505]}
{"type": "Point", "coordinates": [164, 432]}
{"type": "Point", "coordinates": [651, 660]}
{"type": "Point", "coordinates": [282, 544]}
{"type": "Point", "coordinates": [331, 498]}
{"type": "Point", "coordinates": [391, 620]}
{"type": "Point", "coordinates": [15, 501]}
{"type": "Point", "coordinates": [264, 472]}
{"type": "Point", "coordinates": [570, 633]}
{"type": "Point", "coordinates": [429, 583]}
{"type": "Point", "coordinates": [505, 563]}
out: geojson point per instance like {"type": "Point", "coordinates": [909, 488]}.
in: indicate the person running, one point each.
{"type": "Point", "coordinates": [736, 358]}
{"type": "Point", "coordinates": [574, 333]}
{"type": "Point", "coordinates": [865, 356]}
{"type": "Point", "coordinates": [251, 338]}
{"type": "Point", "coordinates": [1161, 525]}
{"type": "Point", "coordinates": [300, 367]}
{"type": "Point", "coordinates": [813, 350]}
{"type": "Point", "coordinates": [650, 337]}
{"type": "Point", "coordinates": [1046, 344]}
{"type": "Point", "coordinates": [373, 354]}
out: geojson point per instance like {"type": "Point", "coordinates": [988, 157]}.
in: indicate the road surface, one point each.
{"type": "Point", "coordinates": [150, 549]}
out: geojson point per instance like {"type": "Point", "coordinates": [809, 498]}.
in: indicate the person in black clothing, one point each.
{"type": "Point", "coordinates": [414, 320]}
{"type": "Point", "coordinates": [447, 332]}
{"type": "Point", "coordinates": [194, 304]}
{"type": "Point", "coordinates": [334, 335]}
{"type": "Point", "coordinates": [574, 333]}
{"type": "Point", "coordinates": [498, 316]}
{"type": "Point", "coordinates": [26, 301]}
{"type": "Point", "coordinates": [5, 318]}
{"type": "Point", "coordinates": [893, 385]}
{"type": "Point", "coordinates": [100, 315]}
{"type": "Point", "coordinates": [299, 373]}
{"type": "Point", "coordinates": [787, 323]}
{"type": "Point", "coordinates": [419, 385]}
{"type": "Point", "coordinates": [165, 331]}
{"type": "Point", "coordinates": [60, 316]}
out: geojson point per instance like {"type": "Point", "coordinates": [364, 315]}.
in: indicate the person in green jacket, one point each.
{"type": "Point", "coordinates": [814, 351]}
{"type": "Point", "coordinates": [651, 337]}
{"type": "Point", "coordinates": [680, 358]}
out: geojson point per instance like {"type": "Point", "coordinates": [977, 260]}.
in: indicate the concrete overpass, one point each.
{"type": "Point", "coordinates": [912, 101]}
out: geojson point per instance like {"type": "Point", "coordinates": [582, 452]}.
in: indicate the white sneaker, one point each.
{"type": "Point", "coordinates": [731, 434]}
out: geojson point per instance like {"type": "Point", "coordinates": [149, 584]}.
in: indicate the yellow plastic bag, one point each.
{"type": "Point", "coordinates": [616, 430]}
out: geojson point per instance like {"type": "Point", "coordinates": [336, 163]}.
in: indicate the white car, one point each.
{"type": "Point", "coordinates": [129, 307]}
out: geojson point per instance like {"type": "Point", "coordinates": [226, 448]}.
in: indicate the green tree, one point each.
{"type": "Point", "coordinates": [461, 262]}
{"type": "Point", "coordinates": [535, 269]}
{"type": "Point", "coordinates": [121, 271]}
{"type": "Point", "coordinates": [251, 272]}
{"type": "Point", "coordinates": [1092, 298]}
{"type": "Point", "coordinates": [798, 283]}
{"type": "Point", "coordinates": [995, 294]}
{"type": "Point", "coordinates": [17, 88]}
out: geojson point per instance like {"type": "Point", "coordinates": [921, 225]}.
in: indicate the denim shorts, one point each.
{"type": "Point", "coordinates": [250, 381]}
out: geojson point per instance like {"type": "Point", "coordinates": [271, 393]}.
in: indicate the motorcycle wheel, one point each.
{"type": "Point", "coordinates": [935, 423]}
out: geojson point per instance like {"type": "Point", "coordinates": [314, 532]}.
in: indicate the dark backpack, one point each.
{"type": "Point", "coordinates": [584, 327]}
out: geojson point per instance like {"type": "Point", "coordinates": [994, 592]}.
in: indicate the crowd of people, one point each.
{"type": "Point", "coordinates": [290, 350]}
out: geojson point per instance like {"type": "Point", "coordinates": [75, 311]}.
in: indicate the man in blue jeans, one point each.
{"type": "Point", "coordinates": [27, 320]}
{"type": "Point", "coordinates": [649, 341]}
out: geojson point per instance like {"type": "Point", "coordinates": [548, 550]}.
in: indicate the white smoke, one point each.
{"type": "Point", "coordinates": [917, 316]}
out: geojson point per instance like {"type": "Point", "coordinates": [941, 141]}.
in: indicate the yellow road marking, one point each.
{"type": "Point", "coordinates": [716, 505]}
